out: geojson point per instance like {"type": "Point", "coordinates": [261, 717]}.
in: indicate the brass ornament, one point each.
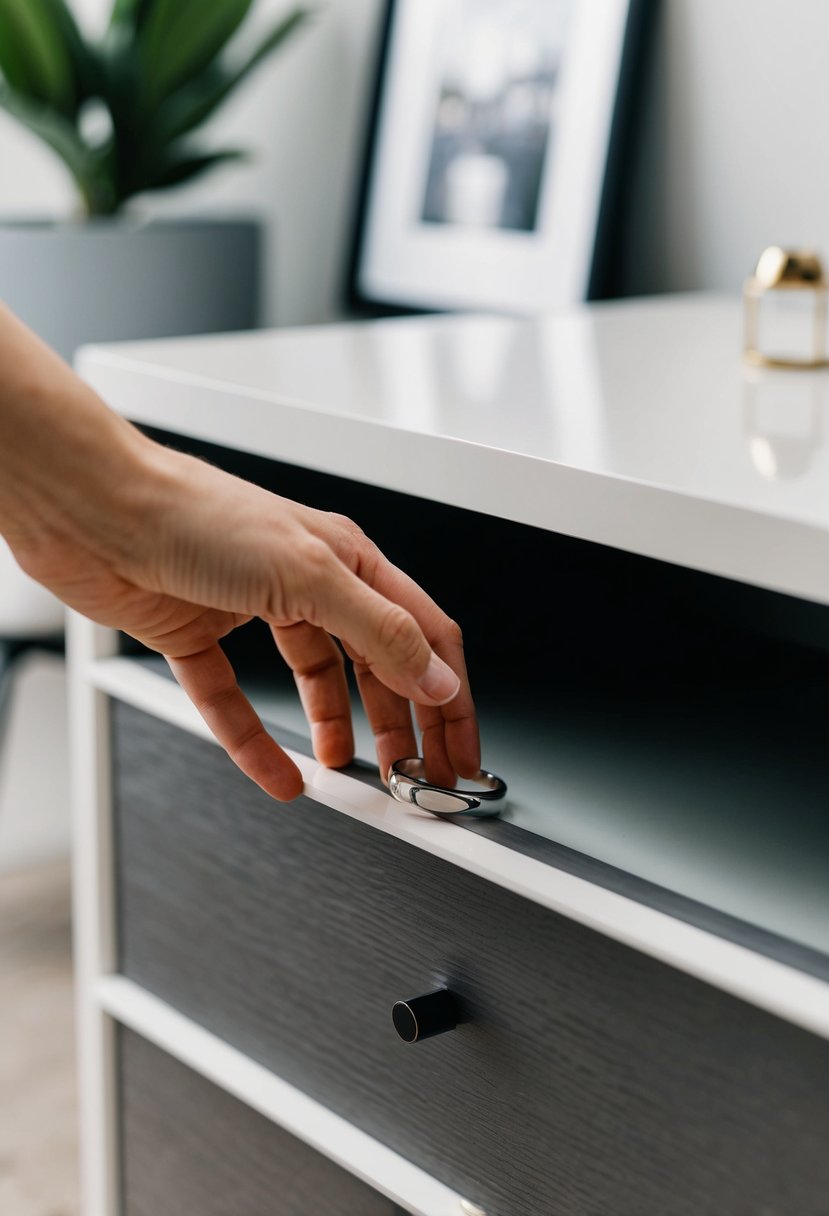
{"type": "Point", "coordinates": [786, 271]}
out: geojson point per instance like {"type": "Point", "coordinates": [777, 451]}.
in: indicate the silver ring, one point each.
{"type": "Point", "coordinates": [407, 783]}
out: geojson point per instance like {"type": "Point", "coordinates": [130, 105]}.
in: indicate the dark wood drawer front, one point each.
{"type": "Point", "coordinates": [189, 1149]}
{"type": "Point", "coordinates": [588, 1079]}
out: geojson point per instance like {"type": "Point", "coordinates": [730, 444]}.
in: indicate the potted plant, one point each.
{"type": "Point", "coordinates": [121, 112]}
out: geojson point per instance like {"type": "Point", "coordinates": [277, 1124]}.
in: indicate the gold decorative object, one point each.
{"type": "Point", "coordinates": [785, 306]}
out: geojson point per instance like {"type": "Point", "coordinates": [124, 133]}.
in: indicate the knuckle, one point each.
{"type": "Point", "coordinates": [454, 633]}
{"type": "Point", "coordinates": [216, 700]}
{"type": "Point", "coordinates": [367, 558]}
{"type": "Point", "coordinates": [302, 586]}
{"type": "Point", "coordinates": [314, 558]}
{"type": "Point", "coordinates": [356, 548]}
{"type": "Point", "coordinates": [347, 525]}
{"type": "Point", "coordinates": [331, 662]}
{"type": "Point", "coordinates": [351, 539]}
{"type": "Point", "coordinates": [399, 635]}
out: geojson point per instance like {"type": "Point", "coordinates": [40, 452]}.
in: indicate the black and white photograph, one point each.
{"type": "Point", "coordinates": [489, 177]}
{"type": "Point", "coordinates": [494, 119]}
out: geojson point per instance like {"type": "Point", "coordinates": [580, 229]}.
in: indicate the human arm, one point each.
{"type": "Point", "coordinates": [178, 554]}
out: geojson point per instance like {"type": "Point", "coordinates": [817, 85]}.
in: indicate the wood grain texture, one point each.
{"type": "Point", "coordinates": [588, 1079]}
{"type": "Point", "coordinates": [190, 1149]}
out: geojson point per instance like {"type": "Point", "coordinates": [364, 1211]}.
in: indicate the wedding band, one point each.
{"type": "Point", "coordinates": [407, 783]}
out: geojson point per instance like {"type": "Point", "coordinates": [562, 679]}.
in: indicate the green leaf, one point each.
{"type": "Point", "coordinates": [85, 65]}
{"type": "Point", "coordinates": [119, 72]}
{"type": "Point", "coordinates": [194, 103]}
{"type": "Point", "coordinates": [184, 168]}
{"type": "Point", "coordinates": [52, 128]}
{"type": "Point", "coordinates": [49, 126]}
{"type": "Point", "coordinates": [33, 58]}
{"type": "Point", "coordinates": [180, 38]}
{"type": "Point", "coordinates": [93, 171]}
{"type": "Point", "coordinates": [131, 13]}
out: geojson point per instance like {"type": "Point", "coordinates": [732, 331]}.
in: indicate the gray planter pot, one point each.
{"type": "Point", "coordinates": [108, 280]}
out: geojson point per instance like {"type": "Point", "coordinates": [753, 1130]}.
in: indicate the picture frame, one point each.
{"type": "Point", "coordinates": [494, 161]}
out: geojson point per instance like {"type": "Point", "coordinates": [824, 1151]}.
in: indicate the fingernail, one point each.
{"type": "Point", "coordinates": [439, 681]}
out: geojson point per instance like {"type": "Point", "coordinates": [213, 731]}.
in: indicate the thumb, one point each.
{"type": "Point", "coordinates": [385, 635]}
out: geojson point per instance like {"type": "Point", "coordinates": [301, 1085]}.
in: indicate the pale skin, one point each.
{"type": "Point", "coordinates": [177, 554]}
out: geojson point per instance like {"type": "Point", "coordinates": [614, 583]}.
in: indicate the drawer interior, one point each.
{"type": "Point", "coordinates": [670, 724]}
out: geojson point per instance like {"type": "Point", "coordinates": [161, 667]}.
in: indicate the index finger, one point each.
{"type": "Point", "coordinates": [451, 738]}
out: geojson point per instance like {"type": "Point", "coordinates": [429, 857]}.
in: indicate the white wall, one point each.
{"type": "Point", "coordinates": [302, 115]}
{"type": "Point", "coordinates": [732, 152]}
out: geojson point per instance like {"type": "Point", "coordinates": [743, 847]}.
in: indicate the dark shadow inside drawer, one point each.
{"type": "Point", "coordinates": [585, 1077]}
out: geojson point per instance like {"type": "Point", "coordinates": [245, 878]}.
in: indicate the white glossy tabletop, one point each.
{"type": "Point", "coordinates": [633, 424]}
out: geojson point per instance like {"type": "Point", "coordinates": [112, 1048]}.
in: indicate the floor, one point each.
{"type": "Point", "coordinates": [38, 1138]}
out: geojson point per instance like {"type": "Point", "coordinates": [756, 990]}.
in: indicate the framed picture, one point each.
{"type": "Point", "coordinates": [491, 161]}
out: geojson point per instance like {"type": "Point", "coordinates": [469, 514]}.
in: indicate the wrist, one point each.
{"type": "Point", "coordinates": [76, 487]}
{"type": "Point", "coordinates": [66, 461]}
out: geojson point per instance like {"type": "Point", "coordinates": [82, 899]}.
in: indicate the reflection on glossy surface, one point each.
{"type": "Point", "coordinates": [651, 391]}
{"type": "Point", "coordinates": [438, 802]}
{"type": "Point", "coordinates": [784, 416]}
{"type": "Point", "coordinates": [480, 797]}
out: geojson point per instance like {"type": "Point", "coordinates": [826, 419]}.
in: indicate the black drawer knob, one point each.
{"type": "Point", "coordinates": [425, 1016]}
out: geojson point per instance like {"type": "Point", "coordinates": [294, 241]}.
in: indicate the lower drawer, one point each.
{"type": "Point", "coordinates": [587, 1078]}
{"type": "Point", "coordinates": [189, 1149]}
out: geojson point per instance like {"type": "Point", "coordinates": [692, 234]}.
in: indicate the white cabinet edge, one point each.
{"type": "Point", "coordinates": [737, 540]}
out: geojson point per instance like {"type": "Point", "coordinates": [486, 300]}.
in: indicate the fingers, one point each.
{"type": "Point", "coordinates": [385, 634]}
{"type": "Point", "coordinates": [319, 671]}
{"type": "Point", "coordinates": [451, 742]}
{"type": "Point", "coordinates": [397, 661]}
{"type": "Point", "coordinates": [390, 717]}
{"type": "Point", "coordinates": [209, 681]}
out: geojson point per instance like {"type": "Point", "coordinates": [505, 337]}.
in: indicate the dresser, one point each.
{"type": "Point", "coordinates": [633, 532]}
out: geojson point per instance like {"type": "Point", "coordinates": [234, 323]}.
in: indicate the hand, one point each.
{"type": "Point", "coordinates": [208, 552]}
{"type": "Point", "coordinates": [177, 554]}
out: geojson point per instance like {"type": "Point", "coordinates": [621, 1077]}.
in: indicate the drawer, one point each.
{"type": "Point", "coordinates": [189, 1149]}
{"type": "Point", "coordinates": [585, 1078]}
